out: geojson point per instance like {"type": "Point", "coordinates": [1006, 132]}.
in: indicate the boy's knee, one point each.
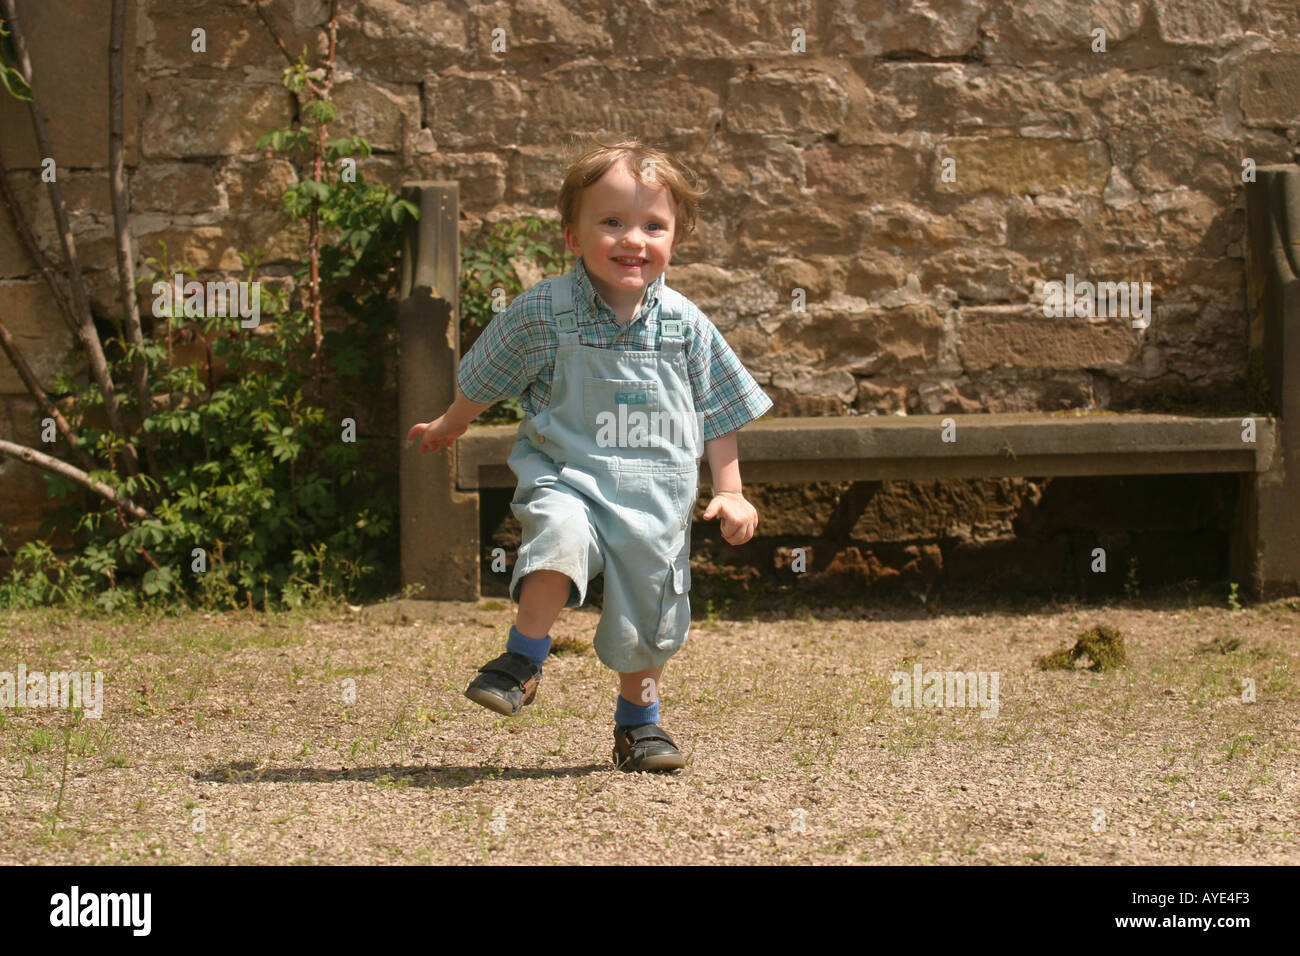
{"type": "Point", "coordinates": [547, 576]}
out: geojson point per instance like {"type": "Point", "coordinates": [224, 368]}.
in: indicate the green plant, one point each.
{"type": "Point", "coordinates": [10, 78]}
{"type": "Point", "coordinates": [489, 282]}
{"type": "Point", "coordinates": [261, 495]}
{"type": "Point", "coordinates": [485, 266]}
{"type": "Point", "coordinates": [1233, 603]}
{"type": "Point", "coordinates": [1131, 589]}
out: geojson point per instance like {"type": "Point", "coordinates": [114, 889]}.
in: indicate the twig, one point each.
{"type": "Point", "coordinates": [63, 777]}
{"type": "Point", "coordinates": [86, 334]}
{"type": "Point", "coordinates": [49, 271]}
{"type": "Point", "coordinates": [261, 15]}
{"type": "Point", "coordinates": [121, 225]}
{"type": "Point", "coordinates": [318, 171]}
{"type": "Point", "coordinates": [34, 387]}
{"type": "Point", "coordinates": [33, 457]}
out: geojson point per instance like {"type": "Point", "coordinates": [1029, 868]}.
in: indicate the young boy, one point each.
{"type": "Point", "coordinates": [622, 379]}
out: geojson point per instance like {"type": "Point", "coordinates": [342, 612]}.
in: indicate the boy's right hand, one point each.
{"type": "Point", "coordinates": [438, 434]}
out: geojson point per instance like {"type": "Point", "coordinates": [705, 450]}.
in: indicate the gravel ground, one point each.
{"type": "Point", "coordinates": [230, 739]}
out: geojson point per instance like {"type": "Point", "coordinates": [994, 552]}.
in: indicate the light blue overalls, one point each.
{"type": "Point", "coordinates": [589, 500]}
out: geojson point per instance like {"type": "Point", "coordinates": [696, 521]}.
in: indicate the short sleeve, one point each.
{"type": "Point", "coordinates": [727, 397]}
{"type": "Point", "coordinates": [495, 367]}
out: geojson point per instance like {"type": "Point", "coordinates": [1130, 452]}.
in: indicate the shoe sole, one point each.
{"type": "Point", "coordinates": [653, 762]}
{"type": "Point", "coordinates": [491, 701]}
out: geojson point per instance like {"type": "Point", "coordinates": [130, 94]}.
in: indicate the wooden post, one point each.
{"type": "Point", "coordinates": [439, 525]}
{"type": "Point", "coordinates": [1265, 550]}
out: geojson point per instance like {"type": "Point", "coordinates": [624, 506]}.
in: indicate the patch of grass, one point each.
{"type": "Point", "coordinates": [1221, 645]}
{"type": "Point", "coordinates": [1102, 647]}
{"type": "Point", "coordinates": [39, 740]}
{"type": "Point", "coordinates": [561, 646]}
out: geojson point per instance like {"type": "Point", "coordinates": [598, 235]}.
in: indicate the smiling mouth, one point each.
{"type": "Point", "coordinates": [630, 261]}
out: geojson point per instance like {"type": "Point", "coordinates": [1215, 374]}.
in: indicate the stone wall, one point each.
{"type": "Point", "coordinates": [915, 168]}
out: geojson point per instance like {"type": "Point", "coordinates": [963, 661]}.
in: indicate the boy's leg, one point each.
{"type": "Point", "coordinates": [541, 597]}
{"type": "Point", "coordinates": [639, 743]}
{"type": "Point", "coordinates": [639, 697]}
{"type": "Point", "coordinates": [508, 683]}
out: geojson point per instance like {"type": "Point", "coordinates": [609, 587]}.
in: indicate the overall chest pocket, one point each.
{"type": "Point", "coordinates": [620, 412]}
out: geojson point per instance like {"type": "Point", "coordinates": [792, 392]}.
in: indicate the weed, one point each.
{"type": "Point", "coordinates": [1103, 646]}
{"type": "Point", "coordinates": [1219, 645]}
{"type": "Point", "coordinates": [1131, 589]}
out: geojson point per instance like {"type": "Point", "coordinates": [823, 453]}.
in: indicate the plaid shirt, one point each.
{"type": "Point", "coordinates": [515, 355]}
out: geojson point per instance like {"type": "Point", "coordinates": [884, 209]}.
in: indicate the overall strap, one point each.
{"type": "Point", "coordinates": [562, 296]}
{"type": "Point", "coordinates": [672, 325]}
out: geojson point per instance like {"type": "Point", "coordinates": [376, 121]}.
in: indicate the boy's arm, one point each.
{"type": "Point", "coordinates": [454, 422]}
{"type": "Point", "coordinates": [724, 464]}
{"type": "Point", "coordinates": [463, 411]}
{"type": "Point", "coordinates": [739, 517]}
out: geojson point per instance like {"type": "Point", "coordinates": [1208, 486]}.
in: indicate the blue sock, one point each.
{"type": "Point", "coordinates": [627, 714]}
{"type": "Point", "coordinates": [534, 648]}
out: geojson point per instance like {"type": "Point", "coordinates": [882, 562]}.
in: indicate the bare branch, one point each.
{"type": "Point", "coordinates": [318, 172]}
{"type": "Point", "coordinates": [86, 334]}
{"type": "Point", "coordinates": [261, 14]}
{"type": "Point", "coordinates": [34, 387]}
{"type": "Point", "coordinates": [121, 225]}
{"type": "Point", "coordinates": [41, 460]}
{"type": "Point", "coordinates": [49, 271]}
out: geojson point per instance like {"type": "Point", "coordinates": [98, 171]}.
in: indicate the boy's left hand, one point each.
{"type": "Point", "coordinates": [739, 517]}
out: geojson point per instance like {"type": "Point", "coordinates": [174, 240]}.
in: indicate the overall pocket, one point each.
{"type": "Point", "coordinates": [620, 412]}
{"type": "Point", "coordinates": [675, 612]}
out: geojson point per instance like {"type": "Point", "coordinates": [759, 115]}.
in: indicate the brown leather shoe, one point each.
{"type": "Point", "coordinates": [646, 747]}
{"type": "Point", "coordinates": [505, 684]}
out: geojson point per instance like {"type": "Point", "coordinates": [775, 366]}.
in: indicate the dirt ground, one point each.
{"type": "Point", "coordinates": [234, 739]}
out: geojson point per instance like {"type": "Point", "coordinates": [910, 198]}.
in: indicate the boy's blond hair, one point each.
{"type": "Point", "coordinates": [648, 165]}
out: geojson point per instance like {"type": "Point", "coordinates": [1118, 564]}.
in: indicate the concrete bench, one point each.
{"type": "Point", "coordinates": [440, 518]}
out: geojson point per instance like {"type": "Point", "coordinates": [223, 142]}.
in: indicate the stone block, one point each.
{"type": "Point", "coordinates": [785, 103]}
{"type": "Point", "coordinates": [1269, 82]}
{"type": "Point", "coordinates": [235, 41]}
{"type": "Point", "coordinates": [873, 342]}
{"type": "Point", "coordinates": [379, 115]}
{"type": "Point", "coordinates": [1014, 167]}
{"type": "Point", "coordinates": [467, 110]}
{"type": "Point", "coordinates": [175, 188]}
{"type": "Point", "coordinates": [205, 118]}
{"type": "Point", "coordinates": [538, 29]}
{"type": "Point", "coordinates": [1198, 24]}
{"type": "Point", "coordinates": [482, 176]}
{"type": "Point", "coordinates": [852, 171]}
{"type": "Point", "coordinates": [396, 41]}
{"type": "Point", "coordinates": [33, 319]}
{"type": "Point", "coordinates": [68, 44]}
{"type": "Point", "coordinates": [934, 28]}
{"type": "Point", "coordinates": [1022, 337]}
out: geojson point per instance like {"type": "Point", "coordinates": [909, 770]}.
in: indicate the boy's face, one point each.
{"type": "Point", "coordinates": [621, 218]}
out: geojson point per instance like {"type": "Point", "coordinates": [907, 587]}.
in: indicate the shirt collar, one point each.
{"type": "Point", "coordinates": [587, 292]}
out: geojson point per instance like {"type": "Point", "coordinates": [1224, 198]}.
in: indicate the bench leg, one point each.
{"type": "Point", "coordinates": [1266, 537]}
